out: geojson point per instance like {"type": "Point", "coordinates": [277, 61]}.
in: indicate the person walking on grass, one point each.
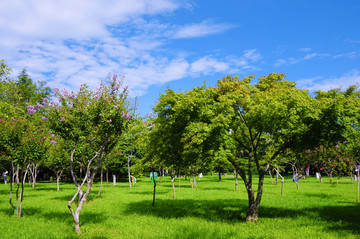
{"type": "Point", "coordinates": [4, 175]}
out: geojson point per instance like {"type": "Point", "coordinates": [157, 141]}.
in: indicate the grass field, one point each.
{"type": "Point", "coordinates": [213, 210]}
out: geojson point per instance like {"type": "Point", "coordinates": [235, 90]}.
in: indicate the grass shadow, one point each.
{"type": "Point", "coordinates": [347, 215]}
{"type": "Point", "coordinates": [212, 210]}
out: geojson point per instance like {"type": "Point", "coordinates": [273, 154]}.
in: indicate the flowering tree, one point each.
{"type": "Point", "coordinates": [57, 159]}
{"type": "Point", "coordinates": [25, 143]}
{"type": "Point", "coordinates": [91, 121]}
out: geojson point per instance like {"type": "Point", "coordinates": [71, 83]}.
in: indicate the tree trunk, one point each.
{"type": "Point", "coordinates": [58, 175]}
{"type": "Point", "coordinates": [101, 179]}
{"type": "Point", "coordinates": [357, 195]}
{"type": "Point", "coordinates": [254, 204]}
{"type": "Point", "coordinates": [22, 190]}
{"type": "Point", "coordinates": [33, 171]}
{"type": "Point", "coordinates": [219, 176]}
{"type": "Point", "coordinates": [153, 203]}
{"type": "Point", "coordinates": [271, 178]}
{"type": "Point", "coordinates": [12, 177]}
{"type": "Point", "coordinates": [129, 174]}
{"type": "Point", "coordinates": [89, 179]}
{"type": "Point", "coordinates": [107, 176]}
{"type": "Point", "coordinates": [179, 178]}
{"type": "Point", "coordinates": [277, 179]}
{"type": "Point", "coordinates": [236, 180]}
{"type": "Point", "coordinates": [173, 185]}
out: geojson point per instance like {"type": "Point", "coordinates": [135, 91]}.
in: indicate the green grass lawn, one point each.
{"type": "Point", "coordinates": [213, 210]}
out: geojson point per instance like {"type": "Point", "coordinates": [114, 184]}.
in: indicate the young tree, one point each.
{"type": "Point", "coordinates": [93, 120]}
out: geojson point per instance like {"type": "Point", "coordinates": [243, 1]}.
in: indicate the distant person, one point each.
{"type": "Point", "coordinates": [296, 177]}
{"type": "Point", "coordinates": [307, 170]}
{"type": "Point", "coordinates": [4, 175]}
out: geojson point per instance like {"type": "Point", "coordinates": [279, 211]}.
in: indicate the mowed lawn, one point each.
{"type": "Point", "coordinates": [212, 210]}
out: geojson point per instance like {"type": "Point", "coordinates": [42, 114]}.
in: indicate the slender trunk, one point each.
{"type": "Point", "coordinates": [33, 172]}
{"type": "Point", "coordinates": [17, 190]}
{"type": "Point", "coordinates": [89, 179]}
{"type": "Point", "coordinates": [107, 176]}
{"type": "Point", "coordinates": [236, 180]}
{"type": "Point", "coordinates": [58, 175]}
{"type": "Point", "coordinates": [81, 171]}
{"type": "Point", "coordinates": [179, 178]}
{"type": "Point", "coordinates": [129, 174]}
{"type": "Point", "coordinates": [101, 179]}
{"type": "Point", "coordinates": [153, 203]}
{"type": "Point", "coordinates": [357, 194]}
{"type": "Point", "coordinates": [219, 176]}
{"type": "Point", "coordinates": [195, 183]}
{"type": "Point", "coordinates": [173, 185]}
{"type": "Point", "coordinates": [12, 177]}
{"type": "Point", "coordinates": [277, 179]}
{"type": "Point", "coordinates": [271, 178]}
{"type": "Point", "coordinates": [22, 190]}
{"type": "Point", "coordinates": [282, 180]}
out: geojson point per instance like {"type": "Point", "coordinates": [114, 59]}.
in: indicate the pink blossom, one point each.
{"type": "Point", "coordinates": [53, 142]}
{"type": "Point", "coordinates": [110, 121]}
{"type": "Point", "coordinates": [31, 109]}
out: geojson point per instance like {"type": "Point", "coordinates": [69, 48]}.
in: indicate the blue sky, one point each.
{"type": "Point", "coordinates": [180, 44]}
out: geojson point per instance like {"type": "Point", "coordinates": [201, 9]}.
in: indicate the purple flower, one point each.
{"type": "Point", "coordinates": [53, 142]}
{"type": "Point", "coordinates": [31, 109]}
{"type": "Point", "coordinates": [127, 116]}
{"type": "Point", "coordinates": [110, 121]}
{"type": "Point", "coordinates": [44, 118]}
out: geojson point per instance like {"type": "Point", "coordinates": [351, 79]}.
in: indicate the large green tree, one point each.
{"type": "Point", "coordinates": [262, 119]}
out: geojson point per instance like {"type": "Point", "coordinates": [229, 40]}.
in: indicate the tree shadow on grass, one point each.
{"type": "Point", "coordinates": [212, 210]}
{"type": "Point", "coordinates": [317, 195]}
{"type": "Point", "coordinates": [347, 216]}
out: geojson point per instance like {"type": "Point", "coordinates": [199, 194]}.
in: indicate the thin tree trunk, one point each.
{"type": "Point", "coordinates": [33, 172]}
{"type": "Point", "coordinates": [58, 175]}
{"type": "Point", "coordinates": [101, 179]}
{"type": "Point", "coordinates": [22, 190]}
{"type": "Point", "coordinates": [89, 178]}
{"type": "Point", "coordinates": [277, 179]}
{"type": "Point", "coordinates": [17, 190]}
{"type": "Point", "coordinates": [271, 178]}
{"type": "Point", "coordinates": [107, 176]}
{"type": "Point", "coordinates": [153, 203]}
{"type": "Point", "coordinates": [282, 181]}
{"type": "Point", "coordinates": [129, 174]}
{"type": "Point", "coordinates": [173, 185]}
{"type": "Point", "coordinates": [179, 178]}
{"type": "Point", "coordinates": [11, 183]}
{"type": "Point", "coordinates": [236, 180]}
{"type": "Point", "coordinates": [219, 176]}
{"type": "Point", "coordinates": [357, 194]}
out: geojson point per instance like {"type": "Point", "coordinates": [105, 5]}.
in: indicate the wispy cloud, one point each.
{"type": "Point", "coordinates": [68, 43]}
{"type": "Point", "coordinates": [296, 60]}
{"type": "Point", "coordinates": [326, 84]}
{"type": "Point", "coordinates": [202, 29]}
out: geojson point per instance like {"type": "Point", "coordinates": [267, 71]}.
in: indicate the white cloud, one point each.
{"type": "Point", "coordinates": [305, 49]}
{"type": "Point", "coordinates": [68, 43]}
{"type": "Point", "coordinates": [326, 84]}
{"type": "Point", "coordinates": [200, 30]}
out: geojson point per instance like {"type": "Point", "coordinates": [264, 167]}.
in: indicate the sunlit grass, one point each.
{"type": "Point", "coordinates": [213, 210]}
